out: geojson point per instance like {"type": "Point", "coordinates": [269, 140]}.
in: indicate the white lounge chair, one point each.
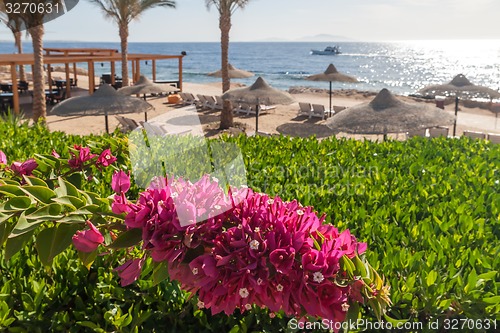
{"type": "Point", "coordinates": [305, 109]}
{"type": "Point", "coordinates": [475, 135]}
{"type": "Point", "coordinates": [219, 102]}
{"type": "Point", "coordinates": [436, 132]}
{"type": "Point", "coordinates": [494, 138]}
{"type": "Point", "coordinates": [242, 107]}
{"type": "Point", "coordinates": [318, 110]}
{"type": "Point", "coordinates": [210, 102]}
{"type": "Point", "coordinates": [160, 130]}
{"type": "Point", "coordinates": [419, 132]}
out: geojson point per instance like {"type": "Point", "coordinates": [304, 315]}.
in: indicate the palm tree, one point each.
{"type": "Point", "coordinates": [226, 8]}
{"type": "Point", "coordinates": [123, 12]}
{"type": "Point", "coordinates": [15, 24]}
{"type": "Point", "coordinates": [33, 22]}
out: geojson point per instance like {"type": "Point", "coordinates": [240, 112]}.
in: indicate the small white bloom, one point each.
{"type": "Point", "coordinates": [240, 226]}
{"type": "Point", "coordinates": [260, 281]}
{"type": "Point", "coordinates": [217, 207]}
{"type": "Point", "coordinates": [174, 194]}
{"type": "Point", "coordinates": [375, 154]}
{"type": "Point", "coordinates": [497, 181]}
{"type": "Point", "coordinates": [215, 179]}
{"type": "Point", "coordinates": [201, 305]}
{"type": "Point", "coordinates": [300, 212]}
{"type": "Point", "coordinates": [257, 229]}
{"type": "Point", "coordinates": [318, 277]}
{"type": "Point", "coordinates": [195, 271]}
{"type": "Point", "coordinates": [423, 171]}
{"type": "Point", "coordinates": [345, 307]}
{"type": "Point", "coordinates": [270, 201]}
{"type": "Point", "coordinates": [279, 287]}
{"type": "Point", "coordinates": [248, 306]}
{"type": "Point", "coordinates": [244, 292]}
{"type": "Point", "coordinates": [254, 245]}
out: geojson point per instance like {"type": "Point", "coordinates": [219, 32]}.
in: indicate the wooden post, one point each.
{"type": "Point", "coordinates": [15, 92]}
{"type": "Point", "coordinates": [49, 76]}
{"type": "Point", "coordinates": [68, 85]}
{"type": "Point", "coordinates": [137, 70]}
{"type": "Point", "coordinates": [75, 73]}
{"type": "Point", "coordinates": [113, 72]}
{"type": "Point", "coordinates": [153, 69]}
{"type": "Point", "coordinates": [91, 77]}
{"type": "Point", "coordinates": [180, 74]}
{"type": "Point", "coordinates": [133, 70]}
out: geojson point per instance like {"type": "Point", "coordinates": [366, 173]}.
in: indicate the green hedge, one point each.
{"type": "Point", "coordinates": [429, 210]}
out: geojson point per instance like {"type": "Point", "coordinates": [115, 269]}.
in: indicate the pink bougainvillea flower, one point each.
{"type": "Point", "coordinates": [3, 158]}
{"type": "Point", "coordinates": [130, 271]}
{"type": "Point", "coordinates": [106, 158]}
{"type": "Point", "coordinates": [120, 183]}
{"type": "Point", "coordinates": [55, 154]}
{"type": "Point", "coordinates": [88, 240]}
{"type": "Point", "coordinates": [84, 155]}
{"type": "Point", "coordinates": [25, 168]}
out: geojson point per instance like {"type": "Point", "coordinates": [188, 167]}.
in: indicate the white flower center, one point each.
{"type": "Point", "coordinates": [300, 212]}
{"type": "Point", "coordinates": [248, 306]}
{"type": "Point", "coordinates": [254, 245]}
{"type": "Point", "coordinates": [174, 194]}
{"type": "Point", "coordinates": [318, 277]}
{"type": "Point", "coordinates": [259, 281]}
{"type": "Point", "coordinates": [201, 305]}
{"type": "Point", "coordinates": [345, 307]}
{"type": "Point", "coordinates": [195, 271]}
{"type": "Point", "coordinates": [279, 287]}
{"type": "Point", "coordinates": [270, 201]}
{"type": "Point", "coordinates": [244, 292]}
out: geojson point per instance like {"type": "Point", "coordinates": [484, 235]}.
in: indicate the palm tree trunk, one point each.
{"type": "Point", "coordinates": [19, 44]}
{"type": "Point", "coordinates": [39, 107]}
{"type": "Point", "coordinates": [226, 118]}
{"type": "Point", "coordinates": [124, 48]}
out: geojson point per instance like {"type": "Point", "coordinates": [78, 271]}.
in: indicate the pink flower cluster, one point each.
{"type": "Point", "coordinates": [81, 155]}
{"type": "Point", "coordinates": [255, 250]}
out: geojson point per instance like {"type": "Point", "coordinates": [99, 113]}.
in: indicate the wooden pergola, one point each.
{"type": "Point", "coordinates": [72, 56]}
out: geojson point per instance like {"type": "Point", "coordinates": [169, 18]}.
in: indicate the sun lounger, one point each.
{"type": "Point", "coordinates": [187, 98]}
{"type": "Point", "coordinates": [337, 108]}
{"type": "Point", "coordinates": [494, 138]}
{"type": "Point", "coordinates": [305, 109]}
{"type": "Point", "coordinates": [210, 102]}
{"type": "Point", "coordinates": [318, 110]}
{"type": "Point", "coordinates": [436, 132]}
{"type": "Point", "coordinates": [219, 103]}
{"type": "Point", "coordinates": [128, 124]}
{"type": "Point", "coordinates": [242, 107]}
{"type": "Point", "coordinates": [475, 135]}
{"type": "Point", "coordinates": [420, 132]}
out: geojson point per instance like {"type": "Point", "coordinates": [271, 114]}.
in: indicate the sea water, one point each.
{"type": "Point", "coordinates": [402, 67]}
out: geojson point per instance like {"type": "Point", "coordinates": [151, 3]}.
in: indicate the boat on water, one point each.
{"type": "Point", "coordinates": [329, 50]}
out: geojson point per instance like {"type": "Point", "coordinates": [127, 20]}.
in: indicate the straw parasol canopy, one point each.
{"type": "Point", "coordinates": [145, 86]}
{"type": "Point", "coordinates": [331, 74]}
{"type": "Point", "coordinates": [386, 114]}
{"type": "Point", "coordinates": [234, 73]}
{"type": "Point", "coordinates": [462, 87]}
{"type": "Point", "coordinates": [104, 101]}
{"type": "Point", "coordinates": [259, 93]}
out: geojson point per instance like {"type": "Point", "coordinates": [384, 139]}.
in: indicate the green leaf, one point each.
{"type": "Point", "coordinates": [11, 190]}
{"type": "Point", "coordinates": [14, 245]}
{"type": "Point", "coordinates": [160, 272]}
{"type": "Point", "coordinates": [492, 300]}
{"type": "Point", "coordinates": [73, 219]}
{"type": "Point", "coordinates": [127, 239]}
{"type": "Point", "coordinates": [66, 189]}
{"type": "Point", "coordinates": [52, 241]}
{"type": "Point", "coordinates": [49, 213]}
{"type": "Point", "coordinates": [16, 204]}
{"type": "Point", "coordinates": [86, 210]}
{"type": "Point", "coordinates": [40, 193]}
{"type": "Point", "coordinates": [5, 217]}
{"type": "Point", "coordinates": [87, 258]}
{"type": "Point", "coordinates": [23, 226]}
{"type": "Point", "coordinates": [34, 181]}
{"type": "Point", "coordinates": [69, 201]}
{"type": "Point", "coordinates": [431, 278]}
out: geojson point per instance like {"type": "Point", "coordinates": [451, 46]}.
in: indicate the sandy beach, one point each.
{"type": "Point", "coordinates": [282, 119]}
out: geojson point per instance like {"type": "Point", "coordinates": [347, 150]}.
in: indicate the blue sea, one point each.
{"type": "Point", "coordinates": [402, 67]}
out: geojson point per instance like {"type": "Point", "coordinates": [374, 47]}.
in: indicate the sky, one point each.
{"type": "Point", "coordinates": [263, 20]}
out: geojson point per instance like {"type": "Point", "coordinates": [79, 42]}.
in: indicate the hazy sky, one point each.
{"type": "Point", "coordinates": [290, 20]}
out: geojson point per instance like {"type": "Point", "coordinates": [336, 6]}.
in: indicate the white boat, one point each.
{"type": "Point", "coordinates": [329, 50]}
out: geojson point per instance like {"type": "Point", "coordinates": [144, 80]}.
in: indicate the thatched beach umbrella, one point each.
{"type": "Point", "coordinates": [146, 86]}
{"type": "Point", "coordinates": [386, 114]}
{"type": "Point", "coordinates": [234, 73]}
{"type": "Point", "coordinates": [460, 87]}
{"type": "Point", "coordinates": [104, 101]}
{"type": "Point", "coordinates": [331, 74]}
{"type": "Point", "coordinates": [257, 93]}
